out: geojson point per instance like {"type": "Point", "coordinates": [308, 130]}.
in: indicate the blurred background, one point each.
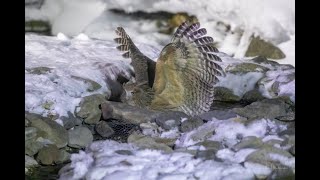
{"type": "Point", "coordinates": [240, 28]}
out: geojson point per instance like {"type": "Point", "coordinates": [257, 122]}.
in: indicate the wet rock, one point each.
{"type": "Point", "coordinates": [259, 47]}
{"type": "Point", "coordinates": [48, 155]}
{"type": "Point", "coordinates": [89, 108]}
{"type": "Point", "coordinates": [93, 86]}
{"type": "Point", "coordinates": [289, 141]}
{"type": "Point", "coordinates": [146, 142]}
{"type": "Point", "coordinates": [268, 108]}
{"type": "Point", "coordinates": [30, 132]}
{"type": "Point", "coordinates": [206, 154]}
{"type": "Point", "coordinates": [225, 94]}
{"type": "Point", "coordinates": [215, 146]}
{"type": "Point", "coordinates": [51, 130]}
{"type": "Point", "coordinates": [243, 68]}
{"type": "Point", "coordinates": [252, 96]}
{"type": "Point", "coordinates": [32, 147]}
{"type": "Point", "coordinates": [248, 142]}
{"type": "Point", "coordinates": [39, 70]}
{"type": "Point", "coordinates": [70, 121]}
{"type": "Point", "coordinates": [263, 60]}
{"type": "Point", "coordinates": [128, 113]}
{"type": "Point", "coordinates": [281, 173]}
{"type": "Point", "coordinates": [29, 163]}
{"type": "Point", "coordinates": [26, 123]}
{"type": "Point", "coordinates": [292, 150]}
{"type": "Point", "coordinates": [79, 137]}
{"type": "Point", "coordinates": [218, 114]}
{"type": "Point", "coordinates": [124, 152]}
{"type": "Point", "coordinates": [190, 124]}
{"type": "Point", "coordinates": [167, 141]}
{"type": "Point", "coordinates": [272, 142]}
{"type": "Point", "coordinates": [170, 120]}
{"type": "Point", "coordinates": [104, 129]}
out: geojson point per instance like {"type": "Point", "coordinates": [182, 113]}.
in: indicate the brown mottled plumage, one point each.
{"type": "Point", "coordinates": [183, 77]}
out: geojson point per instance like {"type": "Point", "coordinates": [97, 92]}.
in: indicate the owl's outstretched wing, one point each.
{"type": "Point", "coordinates": [143, 66]}
{"type": "Point", "coordinates": [197, 61]}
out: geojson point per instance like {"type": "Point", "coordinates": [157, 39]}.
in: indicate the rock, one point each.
{"type": "Point", "coordinates": [30, 132]}
{"type": "Point", "coordinates": [265, 61]}
{"type": "Point", "coordinates": [281, 173]}
{"type": "Point", "coordinates": [291, 116]}
{"type": "Point", "coordinates": [26, 123]}
{"type": "Point", "coordinates": [289, 131]}
{"type": "Point", "coordinates": [289, 141]}
{"type": "Point", "coordinates": [104, 129]}
{"type": "Point", "coordinates": [124, 152]}
{"type": "Point", "coordinates": [243, 68]}
{"type": "Point", "coordinates": [252, 96]}
{"type": "Point", "coordinates": [248, 142]}
{"type": "Point", "coordinates": [146, 142]}
{"type": "Point", "coordinates": [70, 121]}
{"type": "Point", "coordinates": [292, 150]}
{"type": "Point", "coordinates": [215, 146]}
{"type": "Point", "coordinates": [48, 155]}
{"type": "Point", "coordinates": [32, 147]}
{"type": "Point", "coordinates": [89, 108]}
{"type": "Point", "coordinates": [51, 130]}
{"type": "Point", "coordinates": [39, 70]}
{"type": "Point", "coordinates": [167, 141]}
{"type": "Point", "coordinates": [206, 154]}
{"type": "Point", "coordinates": [225, 105]}
{"type": "Point", "coordinates": [218, 114]}
{"type": "Point", "coordinates": [268, 108]}
{"type": "Point", "coordinates": [128, 113]}
{"type": "Point", "coordinates": [38, 26]}
{"type": "Point", "coordinates": [79, 137]}
{"type": "Point", "coordinates": [149, 129]}
{"type": "Point", "coordinates": [29, 163]}
{"type": "Point", "coordinates": [225, 94]}
{"type": "Point", "coordinates": [63, 157]}
{"type": "Point", "coordinates": [190, 124]}
{"type": "Point", "coordinates": [93, 86]}
{"type": "Point", "coordinates": [272, 142]}
{"type": "Point", "coordinates": [262, 156]}
{"type": "Point", "coordinates": [170, 120]}
{"type": "Point", "coordinates": [259, 47]}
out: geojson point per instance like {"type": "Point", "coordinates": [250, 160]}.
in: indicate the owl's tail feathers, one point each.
{"type": "Point", "coordinates": [125, 42]}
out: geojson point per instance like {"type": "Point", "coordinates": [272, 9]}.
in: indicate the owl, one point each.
{"type": "Point", "coordinates": [182, 78]}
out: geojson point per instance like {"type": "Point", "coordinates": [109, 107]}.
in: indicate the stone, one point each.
{"type": "Point", "coordinates": [260, 47]}
{"type": "Point", "coordinates": [291, 116]}
{"type": "Point", "coordinates": [289, 131]}
{"type": "Point", "coordinates": [218, 114]}
{"type": "Point", "coordinates": [146, 142]}
{"type": "Point", "coordinates": [48, 155]}
{"type": "Point", "coordinates": [243, 68]}
{"type": "Point", "coordinates": [128, 113]}
{"type": "Point", "coordinates": [124, 152]}
{"type": "Point", "coordinates": [63, 157]}
{"type": "Point", "coordinates": [92, 85]}
{"type": "Point", "coordinates": [292, 150]}
{"type": "Point", "coordinates": [29, 163]}
{"type": "Point", "coordinates": [26, 123]}
{"type": "Point", "coordinates": [268, 108]}
{"type": "Point", "coordinates": [32, 147]}
{"type": "Point", "coordinates": [190, 124]}
{"type": "Point", "coordinates": [206, 154]}
{"type": "Point", "coordinates": [30, 132]}
{"type": "Point", "coordinates": [265, 61]}
{"type": "Point", "coordinates": [167, 141]}
{"type": "Point", "coordinates": [103, 129]}
{"type": "Point", "coordinates": [248, 142]}
{"type": "Point", "coordinates": [225, 94]}
{"type": "Point", "coordinates": [281, 173]}
{"type": "Point", "coordinates": [272, 142]}
{"type": "Point", "coordinates": [38, 70]}
{"type": "Point", "coordinates": [170, 120]}
{"type": "Point", "coordinates": [89, 110]}
{"type": "Point", "coordinates": [289, 141]}
{"type": "Point", "coordinates": [252, 96]}
{"type": "Point", "coordinates": [79, 137]}
{"type": "Point", "coordinates": [70, 121]}
{"type": "Point", "coordinates": [51, 130]}
{"type": "Point", "coordinates": [215, 146]}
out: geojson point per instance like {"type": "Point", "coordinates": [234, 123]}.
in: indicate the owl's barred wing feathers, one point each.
{"type": "Point", "coordinates": [197, 62]}
{"type": "Point", "coordinates": [143, 66]}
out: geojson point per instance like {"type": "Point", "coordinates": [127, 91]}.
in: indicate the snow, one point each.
{"type": "Point", "coordinates": [273, 20]}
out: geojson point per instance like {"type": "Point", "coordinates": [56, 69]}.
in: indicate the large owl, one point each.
{"type": "Point", "coordinates": [183, 77]}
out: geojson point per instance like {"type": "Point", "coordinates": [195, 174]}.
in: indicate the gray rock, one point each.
{"type": "Point", "coordinates": [248, 142]}
{"type": "Point", "coordinates": [263, 60]}
{"type": "Point", "coordinates": [243, 68]}
{"type": "Point", "coordinates": [289, 131]}
{"type": "Point", "coordinates": [170, 120]}
{"type": "Point", "coordinates": [29, 163]}
{"type": "Point", "coordinates": [128, 113]}
{"type": "Point", "coordinates": [273, 142]}
{"type": "Point", "coordinates": [30, 132]}
{"type": "Point", "coordinates": [291, 116]}
{"type": "Point", "coordinates": [146, 142]}
{"type": "Point", "coordinates": [259, 47]}
{"type": "Point", "coordinates": [252, 96]}
{"type": "Point", "coordinates": [167, 141]}
{"type": "Point", "coordinates": [206, 154]}
{"type": "Point", "coordinates": [70, 121]}
{"type": "Point", "coordinates": [26, 123]}
{"type": "Point", "coordinates": [104, 129]}
{"type": "Point", "coordinates": [225, 94]}
{"type": "Point", "coordinates": [79, 137]}
{"type": "Point", "coordinates": [63, 157]}
{"type": "Point", "coordinates": [281, 173]}
{"type": "Point", "coordinates": [262, 156]}
{"type": "Point", "coordinates": [289, 141]}
{"type": "Point", "coordinates": [124, 152]}
{"type": "Point", "coordinates": [32, 147]}
{"type": "Point", "coordinates": [190, 124]}
{"type": "Point", "coordinates": [51, 130]}
{"type": "Point", "coordinates": [39, 70]}
{"type": "Point", "coordinates": [89, 108]}
{"type": "Point", "coordinates": [93, 86]}
{"type": "Point", "coordinates": [218, 114]}
{"type": "Point", "coordinates": [292, 150]}
{"type": "Point", "coordinates": [211, 145]}
{"type": "Point", "coordinates": [268, 108]}
{"type": "Point", "coordinates": [48, 155]}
